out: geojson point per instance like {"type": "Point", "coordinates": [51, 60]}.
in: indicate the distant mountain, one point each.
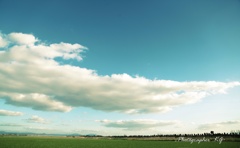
{"type": "Point", "coordinates": [29, 133]}
{"type": "Point", "coordinates": [74, 134]}
{"type": "Point", "coordinates": [3, 132]}
{"type": "Point", "coordinates": [44, 134]}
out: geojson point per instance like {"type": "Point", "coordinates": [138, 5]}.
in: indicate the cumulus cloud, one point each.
{"type": "Point", "coordinates": [20, 38]}
{"type": "Point", "coordinates": [3, 42]}
{"type": "Point", "coordinates": [31, 76]}
{"type": "Point", "coordinates": [37, 101]}
{"type": "Point", "coordinates": [138, 124]}
{"type": "Point", "coordinates": [209, 126]}
{"type": "Point", "coordinates": [10, 113]}
{"type": "Point", "coordinates": [36, 119]}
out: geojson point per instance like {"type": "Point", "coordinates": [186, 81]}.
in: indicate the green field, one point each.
{"type": "Point", "coordinates": [63, 142]}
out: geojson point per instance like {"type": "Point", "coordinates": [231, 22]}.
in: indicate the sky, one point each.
{"type": "Point", "coordinates": [124, 67]}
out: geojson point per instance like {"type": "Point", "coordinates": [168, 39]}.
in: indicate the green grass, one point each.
{"type": "Point", "coordinates": [61, 142]}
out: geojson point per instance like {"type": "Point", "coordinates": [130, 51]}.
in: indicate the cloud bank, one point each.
{"type": "Point", "coordinates": [138, 124]}
{"type": "Point", "coordinates": [10, 124]}
{"type": "Point", "coordinates": [10, 113]}
{"type": "Point", "coordinates": [36, 119]}
{"type": "Point", "coordinates": [208, 126]}
{"type": "Point", "coordinates": [31, 76]}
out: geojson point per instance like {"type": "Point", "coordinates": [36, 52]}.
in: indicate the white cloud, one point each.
{"type": "Point", "coordinates": [36, 119]}
{"type": "Point", "coordinates": [10, 113]}
{"type": "Point", "coordinates": [3, 42]}
{"type": "Point", "coordinates": [217, 125]}
{"type": "Point", "coordinates": [31, 77]}
{"type": "Point", "coordinates": [138, 124]}
{"type": "Point", "coordinates": [37, 101]}
{"type": "Point", "coordinates": [20, 38]}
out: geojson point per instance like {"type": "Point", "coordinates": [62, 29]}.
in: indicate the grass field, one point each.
{"type": "Point", "coordinates": [63, 142]}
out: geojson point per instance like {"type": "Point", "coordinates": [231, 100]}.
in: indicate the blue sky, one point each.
{"type": "Point", "coordinates": [89, 66]}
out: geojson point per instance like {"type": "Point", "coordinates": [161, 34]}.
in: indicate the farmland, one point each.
{"type": "Point", "coordinates": [64, 142]}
